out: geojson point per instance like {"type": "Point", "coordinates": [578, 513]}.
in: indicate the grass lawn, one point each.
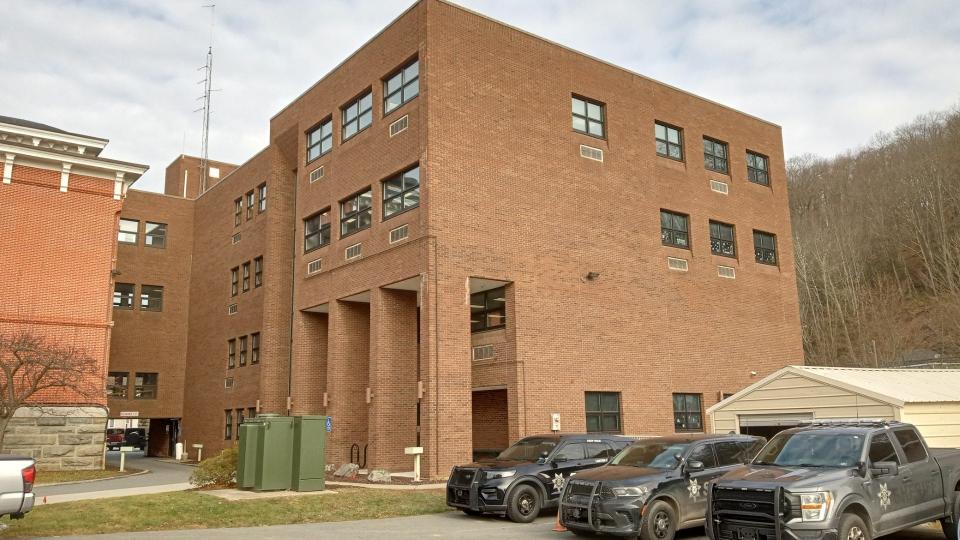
{"type": "Point", "coordinates": [194, 510]}
{"type": "Point", "coordinates": [55, 477]}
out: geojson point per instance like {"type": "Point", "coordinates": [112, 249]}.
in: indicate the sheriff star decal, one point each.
{"type": "Point", "coordinates": [694, 488]}
{"type": "Point", "coordinates": [884, 496]}
{"type": "Point", "coordinates": [558, 482]}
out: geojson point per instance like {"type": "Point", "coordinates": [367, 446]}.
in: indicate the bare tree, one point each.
{"type": "Point", "coordinates": [32, 366]}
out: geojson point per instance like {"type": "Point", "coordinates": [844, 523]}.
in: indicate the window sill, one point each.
{"type": "Point", "coordinates": [404, 211]}
{"type": "Point", "coordinates": [321, 246]}
{"type": "Point", "coordinates": [402, 105]}
{"type": "Point", "coordinates": [675, 246]}
{"type": "Point", "coordinates": [591, 135]}
{"type": "Point", "coordinates": [344, 140]}
{"type": "Point", "coordinates": [351, 233]}
{"type": "Point", "coordinates": [671, 158]}
{"type": "Point", "coordinates": [731, 257]}
{"type": "Point", "coordinates": [314, 160]}
{"type": "Point", "coordinates": [489, 329]}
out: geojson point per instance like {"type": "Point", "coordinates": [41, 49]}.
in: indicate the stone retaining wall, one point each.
{"type": "Point", "coordinates": [58, 438]}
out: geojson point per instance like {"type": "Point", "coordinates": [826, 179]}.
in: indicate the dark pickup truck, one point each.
{"type": "Point", "coordinates": [654, 487]}
{"type": "Point", "coordinates": [528, 476]}
{"type": "Point", "coordinates": [846, 480]}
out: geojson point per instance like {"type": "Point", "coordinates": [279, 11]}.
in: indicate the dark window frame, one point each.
{"type": "Point", "coordinates": [136, 233]}
{"type": "Point", "coordinates": [681, 418]}
{"type": "Point", "coordinates": [148, 303]}
{"type": "Point", "coordinates": [326, 123]}
{"type": "Point", "coordinates": [669, 233]}
{"type": "Point", "coordinates": [228, 424]}
{"type": "Point", "coordinates": [319, 231]}
{"type": "Point", "coordinates": [231, 353]}
{"type": "Point", "coordinates": [143, 388]}
{"type": "Point", "coordinates": [666, 140]}
{"type": "Point", "coordinates": [344, 110]}
{"type": "Point", "coordinates": [345, 217]}
{"type": "Point", "coordinates": [254, 348]}
{"type": "Point", "coordinates": [262, 198]}
{"type": "Point", "coordinates": [718, 243]}
{"type": "Point", "coordinates": [257, 272]}
{"type": "Point", "coordinates": [245, 280]}
{"type": "Point", "coordinates": [251, 202]}
{"type": "Point", "coordinates": [484, 313]}
{"type": "Point", "coordinates": [710, 155]}
{"type": "Point", "coordinates": [586, 118]}
{"type": "Point", "coordinates": [401, 195]}
{"type": "Point", "coordinates": [129, 297]}
{"type": "Point", "coordinates": [235, 281]}
{"type": "Point", "coordinates": [758, 175]}
{"type": "Point", "coordinates": [404, 85]}
{"type": "Point", "coordinates": [242, 357]}
{"type": "Point", "coordinates": [118, 391]}
{"type": "Point", "coordinates": [878, 437]}
{"type": "Point", "coordinates": [763, 253]}
{"type": "Point", "coordinates": [601, 412]}
{"type": "Point", "coordinates": [907, 446]}
{"type": "Point", "coordinates": [149, 237]}
{"type": "Point", "coordinates": [237, 211]}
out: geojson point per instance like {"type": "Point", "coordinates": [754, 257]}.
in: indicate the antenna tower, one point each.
{"type": "Point", "coordinates": [207, 83]}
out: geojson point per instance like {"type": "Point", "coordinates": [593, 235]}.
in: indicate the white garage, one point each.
{"type": "Point", "coordinates": [928, 398]}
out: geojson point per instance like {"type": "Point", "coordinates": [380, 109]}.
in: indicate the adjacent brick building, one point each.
{"type": "Point", "coordinates": [460, 231]}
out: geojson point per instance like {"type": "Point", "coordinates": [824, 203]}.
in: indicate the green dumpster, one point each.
{"type": "Point", "coordinates": [276, 453]}
{"type": "Point", "coordinates": [249, 458]}
{"type": "Point", "coordinates": [309, 459]}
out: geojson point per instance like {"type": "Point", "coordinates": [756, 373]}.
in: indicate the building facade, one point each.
{"type": "Point", "coordinates": [459, 235]}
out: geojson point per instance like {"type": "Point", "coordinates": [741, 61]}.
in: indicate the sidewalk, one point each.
{"type": "Point", "coordinates": [106, 494]}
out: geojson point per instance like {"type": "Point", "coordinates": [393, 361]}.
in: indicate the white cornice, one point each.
{"type": "Point", "coordinates": [73, 140]}
{"type": "Point", "coordinates": [84, 161]}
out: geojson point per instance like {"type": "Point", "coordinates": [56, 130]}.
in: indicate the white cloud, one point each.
{"type": "Point", "coordinates": [831, 73]}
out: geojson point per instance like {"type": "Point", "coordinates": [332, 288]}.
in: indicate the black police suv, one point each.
{"type": "Point", "coordinates": [529, 475]}
{"type": "Point", "coordinates": [654, 487]}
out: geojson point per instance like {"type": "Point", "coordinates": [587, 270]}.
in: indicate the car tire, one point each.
{"type": "Point", "coordinates": [951, 528]}
{"type": "Point", "coordinates": [472, 513]}
{"type": "Point", "coordinates": [852, 527]}
{"type": "Point", "coordinates": [659, 522]}
{"type": "Point", "coordinates": [523, 505]}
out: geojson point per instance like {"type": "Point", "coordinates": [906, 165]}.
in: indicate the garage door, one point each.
{"type": "Point", "coordinates": [768, 425]}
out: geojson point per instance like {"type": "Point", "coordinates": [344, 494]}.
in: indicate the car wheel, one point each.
{"type": "Point", "coordinates": [524, 504]}
{"type": "Point", "coordinates": [469, 512]}
{"type": "Point", "coordinates": [853, 528]}
{"type": "Point", "coordinates": [659, 522]}
{"type": "Point", "coordinates": [951, 528]}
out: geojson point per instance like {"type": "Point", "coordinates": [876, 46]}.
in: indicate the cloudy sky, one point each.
{"type": "Point", "coordinates": [832, 73]}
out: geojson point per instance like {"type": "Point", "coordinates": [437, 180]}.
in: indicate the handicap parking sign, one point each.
{"type": "Point", "coordinates": [329, 424]}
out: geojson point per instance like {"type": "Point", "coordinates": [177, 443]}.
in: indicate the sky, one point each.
{"type": "Point", "coordinates": [832, 73]}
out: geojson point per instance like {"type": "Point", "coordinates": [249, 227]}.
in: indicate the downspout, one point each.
{"type": "Point", "coordinates": [293, 283]}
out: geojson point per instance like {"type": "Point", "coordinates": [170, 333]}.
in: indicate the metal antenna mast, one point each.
{"type": "Point", "coordinates": [207, 91]}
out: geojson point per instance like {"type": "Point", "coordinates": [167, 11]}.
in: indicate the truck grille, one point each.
{"type": "Point", "coordinates": [737, 510]}
{"type": "Point", "coordinates": [579, 488]}
{"type": "Point", "coordinates": [463, 477]}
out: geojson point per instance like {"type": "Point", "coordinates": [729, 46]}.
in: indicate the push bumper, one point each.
{"type": "Point", "coordinates": [486, 497]}
{"type": "Point", "coordinates": [614, 517]}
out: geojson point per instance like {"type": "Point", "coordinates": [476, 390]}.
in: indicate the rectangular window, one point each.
{"type": "Point", "coordinates": [881, 449]}
{"type": "Point", "coordinates": [231, 353]}
{"type": "Point", "coordinates": [228, 424]}
{"type": "Point", "coordinates": [155, 234]}
{"type": "Point", "coordinates": [400, 88]}
{"type": "Point", "coordinates": [258, 272]}
{"type": "Point", "coordinates": [320, 140]}
{"type": "Point", "coordinates": [117, 382]}
{"type": "Point", "coordinates": [251, 199]}
{"type": "Point", "coordinates": [145, 386]}
{"type": "Point", "coordinates": [129, 231]}
{"type": "Point", "coordinates": [151, 298]}
{"type": "Point", "coordinates": [603, 412]}
{"type": "Point", "coordinates": [669, 141]}
{"type": "Point", "coordinates": [757, 169]}
{"type": "Point", "coordinates": [356, 213]}
{"type": "Point", "coordinates": [261, 198]}
{"type": "Point", "coordinates": [488, 310]}
{"type": "Point", "coordinates": [674, 229]}
{"type": "Point", "coordinates": [246, 276]}
{"type": "Point", "coordinates": [239, 421]}
{"type": "Point", "coordinates": [316, 231]}
{"type": "Point", "coordinates": [238, 211]}
{"type": "Point", "coordinates": [243, 351]}
{"type": "Point", "coordinates": [251, 412]}
{"type": "Point", "coordinates": [123, 295]}
{"type": "Point", "coordinates": [357, 116]}
{"type": "Point", "coordinates": [401, 192]}
{"type": "Point", "coordinates": [588, 116]}
{"type": "Point", "coordinates": [765, 247]}
{"type": "Point", "coordinates": [715, 155]}
{"type": "Point", "coordinates": [255, 348]}
{"type": "Point", "coordinates": [687, 412]}
{"type": "Point", "coordinates": [913, 449]}
{"type": "Point", "coordinates": [722, 239]}
{"type": "Point", "coordinates": [234, 280]}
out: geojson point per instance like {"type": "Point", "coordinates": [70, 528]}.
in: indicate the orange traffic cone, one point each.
{"type": "Point", "coordinates": [559, 526]}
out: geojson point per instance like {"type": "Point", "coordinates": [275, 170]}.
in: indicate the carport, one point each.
{"type": "Point", "coordinates": [928, 398]}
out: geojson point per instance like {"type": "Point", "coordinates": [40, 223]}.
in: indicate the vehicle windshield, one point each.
{"type": "Point", "coordinates": [812, 449]}
{"type": "Point", "coordinates": [653, 454]}
{"type": "Point", "coordinates": [528, 449]}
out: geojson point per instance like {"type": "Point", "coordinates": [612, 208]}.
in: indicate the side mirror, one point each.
{"type": "Point", "coordinates": [885, 468]}
{"type": "Point", "coordinates": [559, 459]}
{"type": "Point", "coordinates": [693, 466]}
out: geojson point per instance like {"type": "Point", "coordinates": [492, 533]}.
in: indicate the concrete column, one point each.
{"type": "Point", "coordinates": [348, 368]}
{"type": "Point", "coordinates": [393, 378]}
{"type": "Point", "coordinates": [8, 167]}
{"type": "Point", "coordinates": [309, 367]}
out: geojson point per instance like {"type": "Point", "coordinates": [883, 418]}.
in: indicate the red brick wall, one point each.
{"type": "Point", "coordinates": [490, 420]}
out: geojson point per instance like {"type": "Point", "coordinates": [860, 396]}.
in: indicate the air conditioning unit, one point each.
{"type": "Point", "coordinates": [314, 266]}
{"type": "Point", "coordinates": [232, 309]}
{"type": "Point", "coordinates": [590, 152]}
{"type": "Point", "coordinates": [228, 383]}
{"type": "Point", "coordinates": [728, 272]}
{"type": "Point", "coordinates": [399, 126]}
{"type": "Point", "coordinates": [316, 174]}
{"type": "Point", "coordinates": [484, 352]}
{"type": "Point", "coordinates": [398, 234]}
{"type": "Point", "coordinates": [719, 187]}
{"type": "Point", "coordinates": [236, 238]}
{"type": "Point", "coordinates": [676, 263]}
{"type": "Point", "coordinates": [353, 252]}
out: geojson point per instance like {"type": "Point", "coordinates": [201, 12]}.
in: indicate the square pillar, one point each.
{"type": "Point", "coordinates": [310, 348]}
{"type": "Point", "coordinates": [348, 368]}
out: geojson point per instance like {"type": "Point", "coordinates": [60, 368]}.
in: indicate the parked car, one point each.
{"type": "Point", "coordinates": [528, 476]}
{"type": "Point", "coordinates": [17, 475]}
{"type": "Point", "coordinates": [135, 437]}
{"type": "Point", "coordinates": [115, 438]}
{"type": "Point", "coordinates": [654, 487]}
{"type": "Point", "coordinates": [851, 479]}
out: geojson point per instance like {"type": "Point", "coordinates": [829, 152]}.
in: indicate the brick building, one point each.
{"type": "Point", "coordinates": [458, 232]}
{"type": "Point", "coordinates": [62, 200]}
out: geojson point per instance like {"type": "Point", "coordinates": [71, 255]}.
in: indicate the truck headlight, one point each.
{"type": "Point", "coordinates": [814, 506]}
{"type": "Point", "coordinates": [493, 475]}
{"type": "Point", "coordinates": [630, 491]}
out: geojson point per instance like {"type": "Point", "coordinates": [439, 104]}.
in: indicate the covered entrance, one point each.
{"type": "Point", "coordinates": [490, 423]}
{"type": "Point", "coordinates": [768, 425]}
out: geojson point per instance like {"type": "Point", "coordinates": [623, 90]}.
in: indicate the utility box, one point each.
{"type": "Point", "coordinates": [275, 438]}
{"type": "Point", "coordinates": [309, 458]}
{"type": "Point", "coordinates": [249, 453]}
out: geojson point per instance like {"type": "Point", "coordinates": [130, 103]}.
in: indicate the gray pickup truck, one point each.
{"type": "Point", "coordinates": [846, 480]}
{"type": "Point", "coordinates": [17, 475]}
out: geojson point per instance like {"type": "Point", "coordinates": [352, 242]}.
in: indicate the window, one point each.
{"type": "Point", "coordinates": [228, 424]}
{"type": "Point", "coordinates": [123, 295]}
{"type": "Point", "coordinates": [239, 421]}
{"type": "Point", "coordinates": [715, 155]}
{"type": "Point", "coordinates": [250, 202]}
{"type": "Point", "coordinates": [234, 280]}
{"type": "Point", "coordinates": [401, 87]}
{"type": "Point", "coordinates": [243, 351]}
{"type": "Point", "coordinates": [155, 234]}
{"type": "Point", "coordinates": [729, 453]}
{"type": "Point", "coordinates": [320, 140]}
{"type": "Point", "coordinates": [117, 382]}
{"type": "Point", "coordinates": [912, 446]}
{"type": "Point", "coordinates": [674, 229]}
{"type": "Point", "coordinates": [704, 454]}
{"type": "Point", "coordinates": [246, 276]}
{"type": "Point", "coordinates": [357, 116]}
{"type": "Point", "coordinates": [881, 449]}
{"type": "Point", "coordinates": [231, 353]}
{"type": "Point", "coordinates": [262, 198]}
{"type": "Point", "coordinates": [151, 298]}
{"type": "Point", "coordinates": [687, 414]}
{"type": "Point", "coordinates": [316, 231]}
{"type": "Point", "coordinates": [588, 116]}
{"type": "Point", "coordinates": [251, 412]}
{"type": "Point", "coordinates": [488, 310]}
{"type": "Point", "coordinates": [669, 141]}
{"type": "Point", "coordinates": [238, 211]}
{"type": "Point", "coordinates": [401, 192]}
{"type": "Point", "coordinates": [356, 213]}
{"type": "Point", "coordinates": [603, 412]}
{"type": "Point", "coordinates": [255, 348]}
{"type": "Point", "coordinates": [258, 272]}
{"type": "Point", "coordinates": [765, 247]}
{"type": "Point", "coordinates": [570, 452]}
{"type": "Point", "coordinates": [599, 451]}
{"type": "Point", "coordinates": [145, 386]}
{"type": "Point", "coordinates": [722, 240]}
{"type": "Point", "coordinates": [129, 229]}
{"type": "Point", "coordinates": [757, 169]}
